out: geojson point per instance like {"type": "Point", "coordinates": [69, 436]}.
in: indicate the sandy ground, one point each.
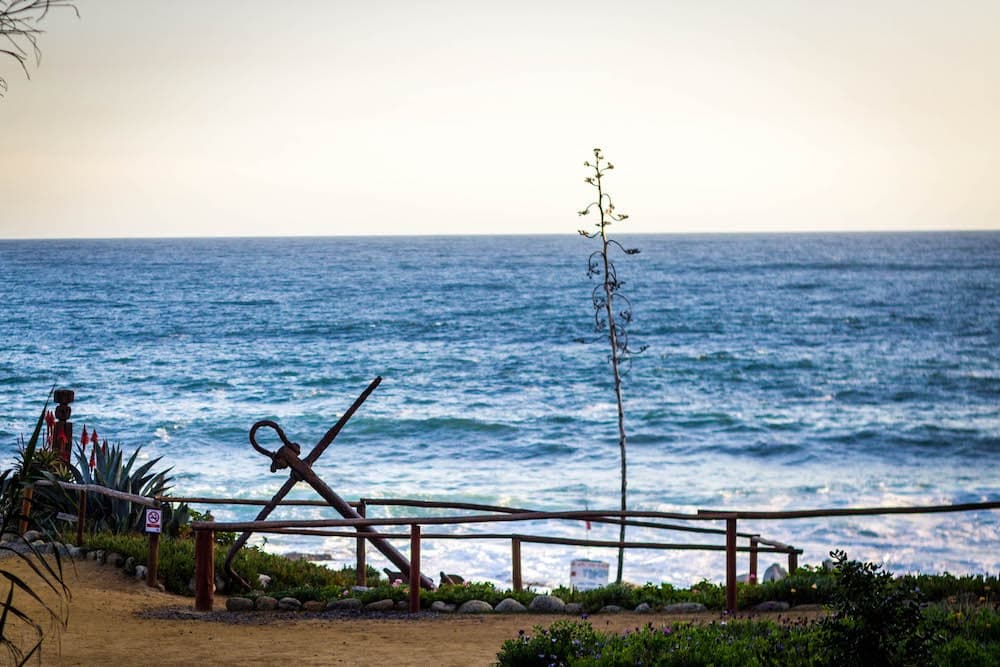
{"type": "Point", "coordinates": [115, 620]}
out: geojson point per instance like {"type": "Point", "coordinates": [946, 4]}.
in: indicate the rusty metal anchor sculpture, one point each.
{"type": "Point", "coordinates": [287, 456]}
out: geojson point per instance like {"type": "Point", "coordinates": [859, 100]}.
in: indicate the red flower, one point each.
{"type": "Point", "coordinates": [93, 457]}
{"type": "Point", "coordinates": [50, 419]}
{"type": "Point", "coordinates": [84, 438]}
{"type": "Point", "coordinates": [93, 436]}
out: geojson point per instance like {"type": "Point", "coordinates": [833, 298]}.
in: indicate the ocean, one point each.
{"type": "Point", "coordinates": [781, 371]}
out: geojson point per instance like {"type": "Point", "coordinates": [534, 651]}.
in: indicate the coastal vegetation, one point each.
{"type": "Point", "coordinates": [612, 309]}
{"type": "Point", "coordinates": [873, 619]}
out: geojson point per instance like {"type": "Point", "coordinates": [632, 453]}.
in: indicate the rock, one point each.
{"type": "Point", "coordinates": [402, 605]}
{"type": "Point", "coordinates": [314, 605]}
{"type": "Point", "coordinates": [263, 581]}
{"type": "Point", "coordinates": [684, 608]}
{"type": "Point", "coordinates": [220, 584]}
{"type": "Point", "coordinates": [10, 537]}
{"type": "Point", "coordinates": [92, 555]}
{"type": "Point", "coordinates": [509, 606]}
{"type": "Point", "coordinates": [129, 566]}
{"type": "Point", "coordinates": [347, 604]}
{"type": "Point", "coordinates": [775, 573]}
{"type": "Point", "coordinates": [359, 589]}
{"type": "Point", "coordinates": [140, 571]}
{"type": "Point", "coordinates": [771, 605]}
{"type": "Point", "coordinates": [475, 607]}
{"type": "Point", "coordinates": [265, 603]}
{"type": "Point", "coordinates": [101, 556]}
{"type": "Point", "coordinates": [643, 608]}
{"type": "Point", "coordinates": [114, 559]}
{"type": "Point", "coordinates": [32, 536]}
{"type": "Point", "coordinates": [573, 608]}
{"type": "Point", "coordinates": [239, 604]}
{"type": "Point", "coordinates": [42, 547]}
{"type": "Point", "coordinates": [289, 604]}
{"type": "Point", "coordinates": [77, 553]}
{"type": "Point", "coordinates": [611, 609]}
{"type": "Point", "coordinates": [442, 607]}
{"type": "Point", "coordinates": [381, 605]}
{"type": "Point", "coordinates": [547, 604]}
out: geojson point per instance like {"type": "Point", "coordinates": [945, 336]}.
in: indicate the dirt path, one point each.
{"type": "Point", "coordinates": [115, 620]}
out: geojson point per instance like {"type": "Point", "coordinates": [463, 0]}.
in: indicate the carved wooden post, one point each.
{"type": "Point", "coordinates": [753, 559]}
{"type": "Point", "coordinates": [414, 568]}
{"type": "Point", "coordinates": [793, 561]}
{"type": "Point", "coordinates": [731, 565]}
{"type": "Point", "coordinates": [204, 570]}
{"type": "Point", "coordinates": [515, 558]}
{"type": "Point", "coordinates": [81, 518]}
{"type": "Point", "coordinates": [361, 566]}
{"type": "Point", "coordinates": [62, 437]}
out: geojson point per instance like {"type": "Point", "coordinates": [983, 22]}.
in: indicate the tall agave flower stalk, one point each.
{"type": "Point", "coordinates": [612, 309]}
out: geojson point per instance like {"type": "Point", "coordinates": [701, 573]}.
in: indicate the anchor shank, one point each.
{"type": "Point", "coordinates": [348, 512]}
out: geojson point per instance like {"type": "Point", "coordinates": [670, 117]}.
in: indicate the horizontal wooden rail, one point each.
{"type": "Point", "coordinates": [536, 539]}
{"type": "Point", "coordinates": [431, 504]}
{"type": "Point", "coordinates": [104, 491]}
{"type": "Point", "coordinates": [849, 511]}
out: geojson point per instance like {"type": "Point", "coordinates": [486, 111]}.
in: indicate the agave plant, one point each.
{"type": "Point", "coordinates": [111, 470]}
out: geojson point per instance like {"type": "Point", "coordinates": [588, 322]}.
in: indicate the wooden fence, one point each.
{"type": "Point", "coordinates": [204, 531]}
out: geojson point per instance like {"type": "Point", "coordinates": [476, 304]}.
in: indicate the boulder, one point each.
{"type": "Point", "coordinates": [77, 553]}
{"type": "Point", "coordinates": [347, 604]}
{"type": "Point", "coordinates": [265, 603]}
{"type": "Point", "coordinates": [289, 604]}
{"type": "Point", "coordinates": [140, 571]}
{"type": "Point", "coordinates": [313, 605]}
{"type": "Point", "coordinates": [10, 537]}
{"type": "Point", "coordinates": [547, 604]}
{"type": "Point", "coordinates": [32, 536]}
{"type": "Point", "coordinates": [643, 608]}
{"type": "Point", "coordinates": [129, 566]}
{"type": "Point", "coordinates": [475, 607]}
{"type": "Point", "coordinates": [684, 608]}
{"type": "Point", "coordinates": [775, 573]}
{"type": "Point", "coordinates": [98, 556]}
{"type": "Point", "coordinates": [509, 606]}
{"type": "Point", "coordinates": [573, 608]}
{"type": "Point", "coordinates": [442, 607]}
{"type": "Point", "coordinates": [42, 547]}
{"type": "Point", "coordinates": [402, 605]}
{"type": "Point", "coordinates": [114, 559]}
{"type": "Point", "coordinates": [381, 605]}
{"type": "Point", "coordinates": [771, 605]}
{"type": "Point", "coordinates": [239, 604]}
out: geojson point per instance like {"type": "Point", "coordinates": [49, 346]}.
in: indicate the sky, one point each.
{"type": "Point", "coordinates": [212, 118]}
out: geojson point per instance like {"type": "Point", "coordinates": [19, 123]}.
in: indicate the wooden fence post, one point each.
{"type": "Point", "coordinates": [361, 565]}
{"type": "Point", "coordinates": [414, 568]}
{"type": "Point", "coordinates": [204, 570]}
{"type": "Point", "coordinates": [515, 553]}
{"type": "Point", "coordinates": [793, 561]}
{"type": "Point", "coordinates": [25, 510]}
{"type": "Point", "coordinates": [153, 560]}
{"type": "Point", "coordinates": [753, 559]}
{"type": "Point", "coordinates": [731, 565]}
{"type": "Point", "coordinates": [81, 518]}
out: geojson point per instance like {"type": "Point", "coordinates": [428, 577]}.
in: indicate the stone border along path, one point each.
{"type": "Point", "coordinates": [542, 604]}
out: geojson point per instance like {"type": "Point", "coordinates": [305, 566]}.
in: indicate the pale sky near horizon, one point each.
{"type": "Point", "coordinates": [332, 118]}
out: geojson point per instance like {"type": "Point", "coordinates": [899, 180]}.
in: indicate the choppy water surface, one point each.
{"type": "Point", "coordinates": [782, 371]}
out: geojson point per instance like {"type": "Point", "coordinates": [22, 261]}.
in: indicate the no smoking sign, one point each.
{"type": "Point", "coordinates": [152, 520]}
